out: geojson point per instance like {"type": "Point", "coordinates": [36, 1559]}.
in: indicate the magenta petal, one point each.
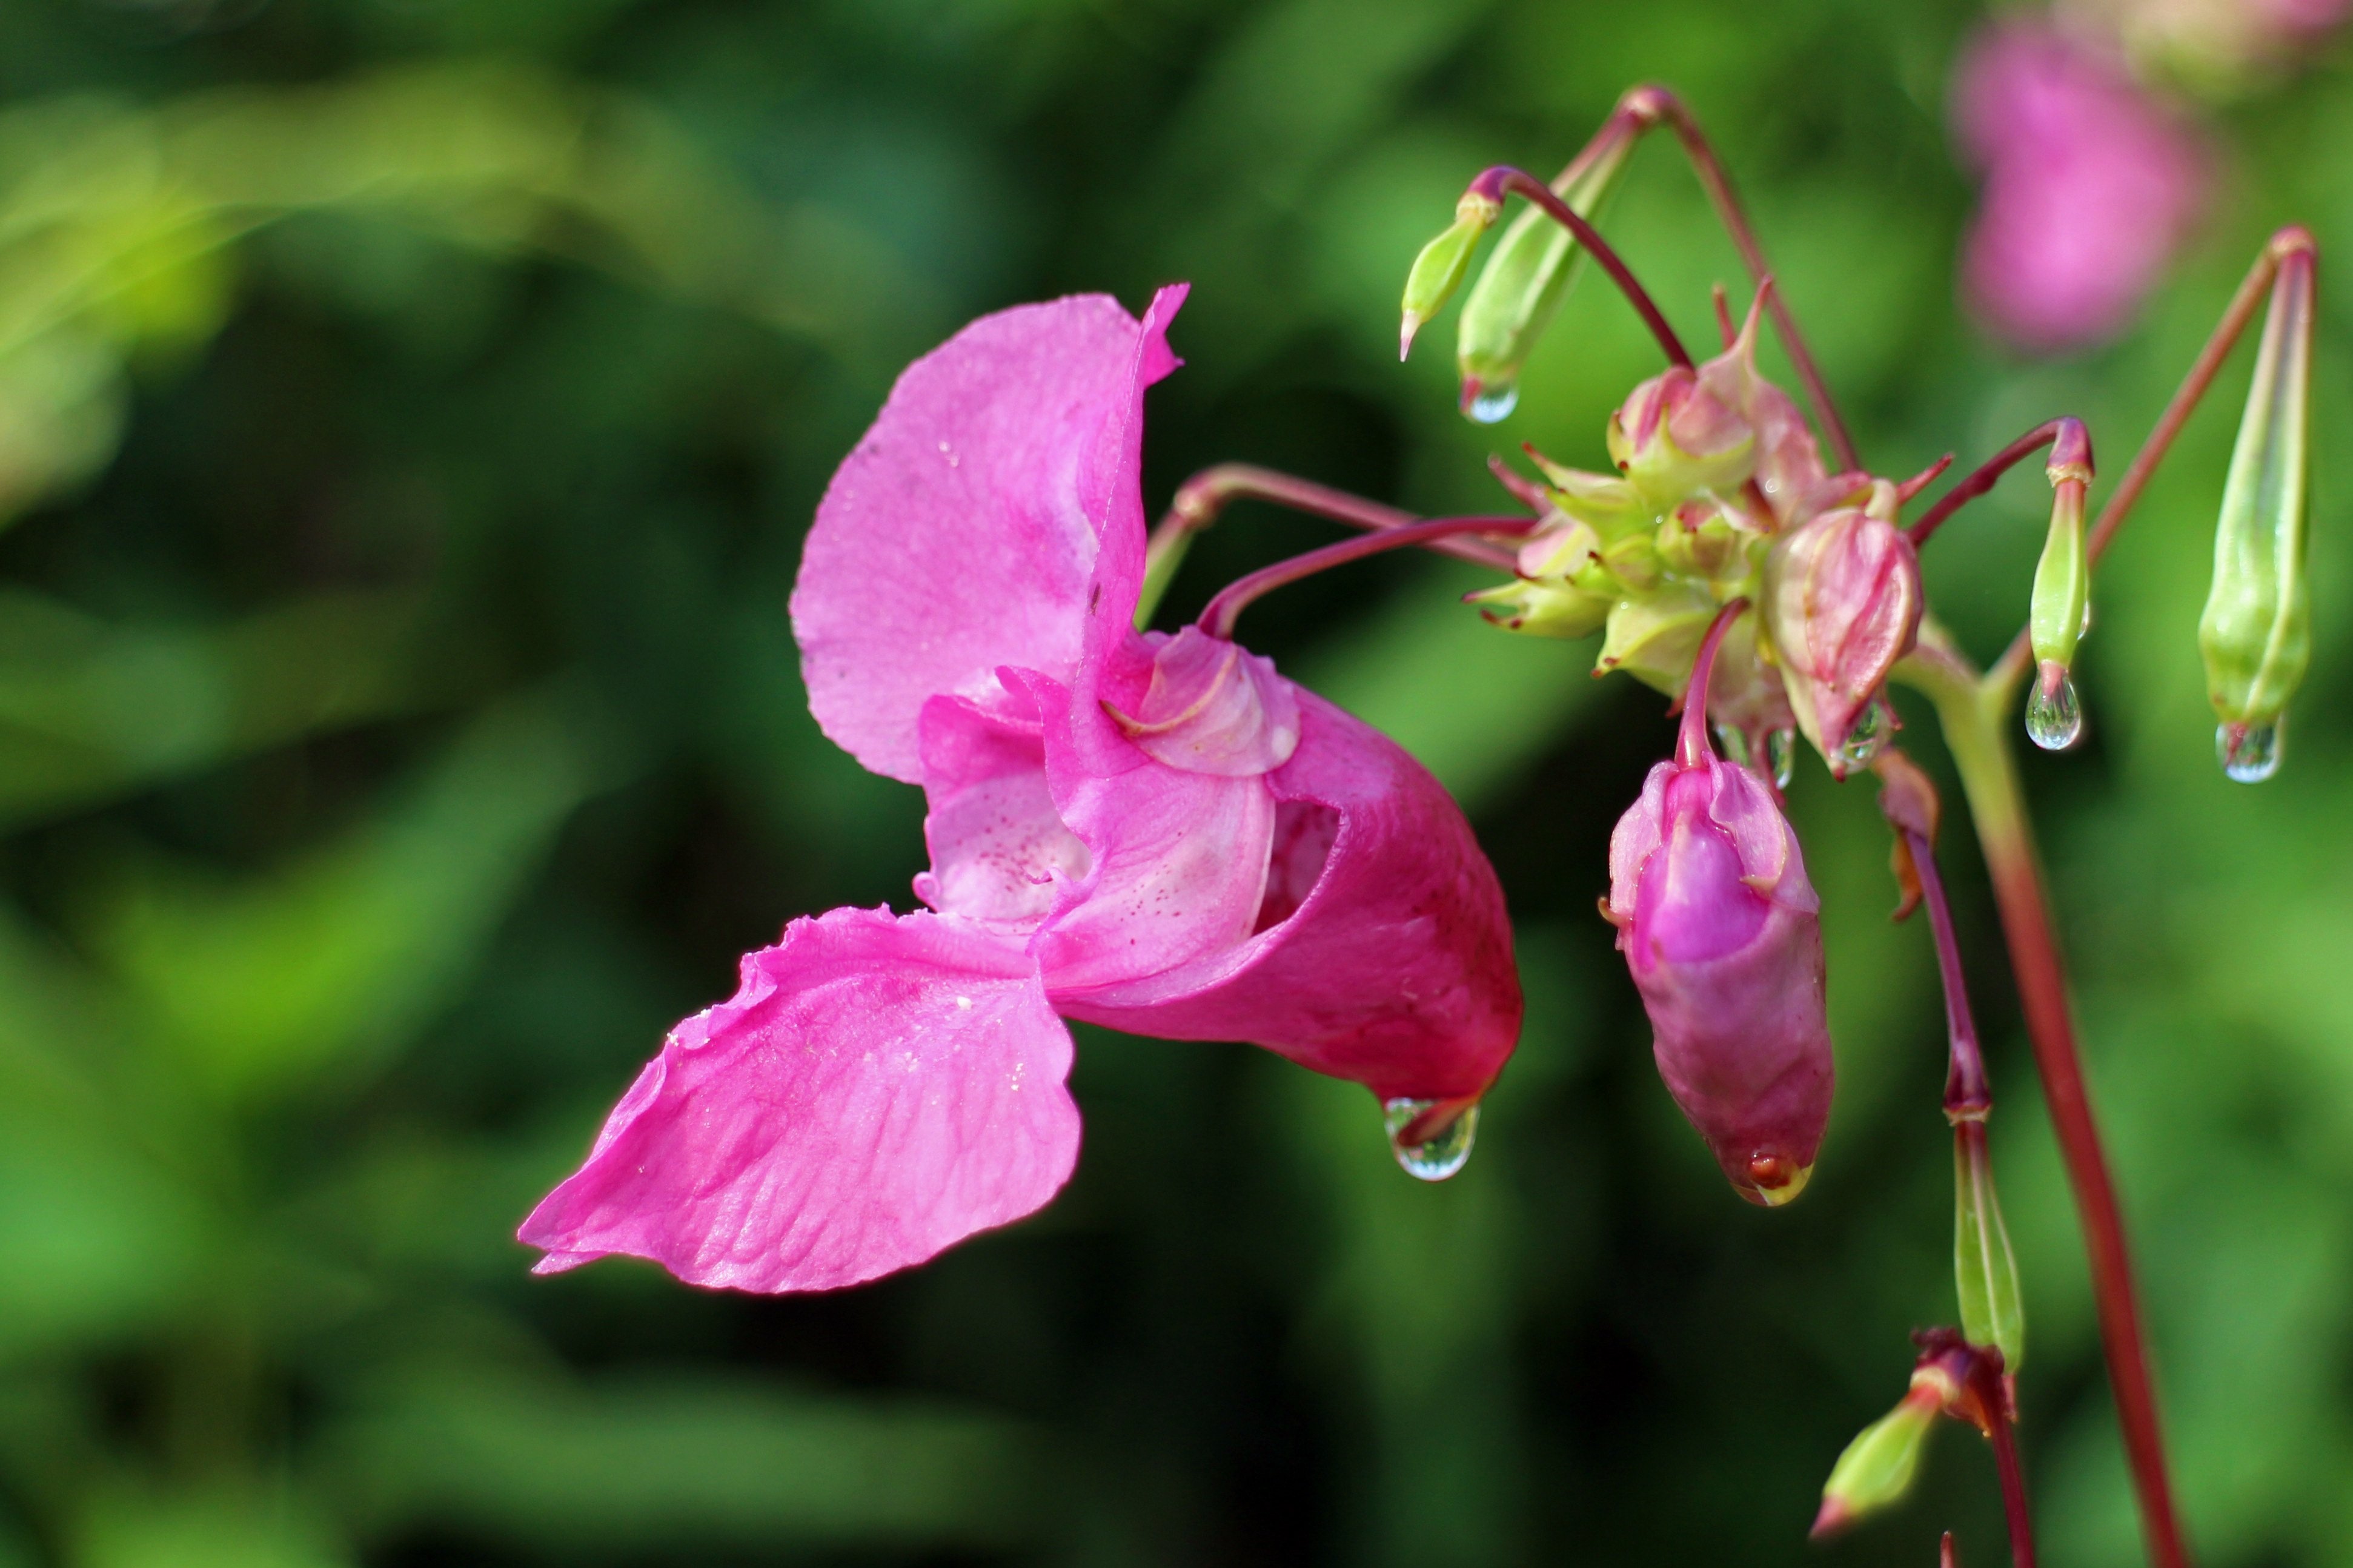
{"type": "Point", "coordinates": [876, 1091]}
{"type": "Point", "coordinates": [1000, 852]}
{"type": "Point", "coordinates": [1386, 956]}
{"type": "Point", "coordinates": [1212, 708]}
{"type": "Point", "coordinates": [963, 531]}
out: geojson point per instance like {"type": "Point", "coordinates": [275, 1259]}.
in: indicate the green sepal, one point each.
{"type": "Point", "coordinates": [1985, 1269]}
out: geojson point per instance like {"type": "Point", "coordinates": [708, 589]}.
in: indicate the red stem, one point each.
{"type": "Point", "coordinates": [1492, 183]}
{"type": "Point", "coordinates": [1691, 748]}
{"type": "Point", "coordinates": [2065, 434]}
{"type": "Point", "coordinates": [1985, 1374]}
{"type": "Point", "coordinates": [1654, 103]}
{"type": "Point", "coordinates": [1201, 499]}
{"type": "Point", "coordinates": [1218, 615]}
{"type": "Point", "coordinates": [1968, 1091]}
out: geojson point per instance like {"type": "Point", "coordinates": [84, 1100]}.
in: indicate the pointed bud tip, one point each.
{"type": "Point", "coordinates": [1412, 325]}
{"type": "Point", "coordinates": [1834, 1517]}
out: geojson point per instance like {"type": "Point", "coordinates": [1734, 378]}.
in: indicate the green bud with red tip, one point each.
{"type": "Point", "coordinates": [2256, 632]}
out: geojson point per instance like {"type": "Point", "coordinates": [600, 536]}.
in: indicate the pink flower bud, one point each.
{"type": "Point", "coordinates": [1841, 605]}
{"type": "Point", "coordinates": [1677, 435]}
{"type": "Point", "coordinates": [1723, 934]}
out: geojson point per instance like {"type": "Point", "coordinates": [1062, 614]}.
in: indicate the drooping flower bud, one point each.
{"type": "Point", "coordinates": [2256, 632]}
{"type": "Point", "coordinates": [2062, 605]}
{"type": "Point", "coordinates": [1841, 605]}
{"type": "Point", "coordinates": [1526, 277]}
{"type": "Point", "coordinates": [1723, 934]}
{"type": "Point", "coordinates": [1437, 271]}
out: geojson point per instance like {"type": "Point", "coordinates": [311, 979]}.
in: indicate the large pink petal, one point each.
{"type": "Point", "coordinates": [992, 509]}
{"type": "Point", "coordinates": [1396, 970]}
{"type": "Point", "coordinates": [877, 1090]}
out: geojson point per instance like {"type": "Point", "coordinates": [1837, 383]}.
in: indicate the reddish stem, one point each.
{"type": "Point", "coordinates": [1492, 184]}
{"type": "Point", "coordinates": [1218, 615]}
{"type": "Point", "coordinates": [1652, 103]}
{"type": "Point", "coordinates": [1200, 499]}
{"type": "Point", "coordinates": [1990, 1388]}
{"type": "Point", "coordinates": [1968, 1091]}
{"type": "Point", "coordinates": [2073, 445]}
{"type": "Point", "coordinates": [1691, 748]}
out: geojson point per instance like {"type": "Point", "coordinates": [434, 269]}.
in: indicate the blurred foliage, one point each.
{"type": "Point", "coordinates": [410, 411]}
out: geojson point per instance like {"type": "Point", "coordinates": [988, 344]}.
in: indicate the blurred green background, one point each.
{"type": "Point", "coordinates": [409, 414]}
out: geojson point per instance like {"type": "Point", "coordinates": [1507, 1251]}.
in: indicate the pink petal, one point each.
{"type": "Point", "coordinates": [991, 508]}
{"type": "Point", "coordinates": [877, 1090]}
{"type": "Point", "coordinates": [1395, 970]}
{"type": "Point", "coordinates": [1212, 708]}
{"type": "Point", "coordinates": [1000, 852]}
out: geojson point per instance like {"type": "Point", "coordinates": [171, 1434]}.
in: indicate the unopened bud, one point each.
{"type": "Point", "coordinates": [1705, 538]}
{"type": "Point", "coordinates": [1878, 1467]}
{"type": "Point", "coordinates": [1985, 1269]}
{"type": "Point", "coordinates": [2256, 632]}
{"type": "Point", "coordinates": [1676, 436]}
{"type": "Point", "coordinates": [1547, 600]}
{"type": "Point", "coordinates": [1654, 636]}
{"type": "Point", "coordinates": [1723, 934]}
{"type": "Point", "coordinates": [1607, 502]}
{"type": "Point", "coordinates": [1841, 601]}
{"type": "Point", "coordinates": [2062, 607]}
{"type": "Point", "coordinates": [1437, 270]}
{"type": "Point", "coordinates": [1528, 275]}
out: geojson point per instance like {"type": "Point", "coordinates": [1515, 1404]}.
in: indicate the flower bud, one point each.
{"type": "Point", "coordinates": [1527, 276]}
{"type": "Point", "coordinates": [1547, 600]}
{"type": "Point", "coordinates": [1705, 538]}
{"type": "Point", "coordinates": [2256, 632]}
{"type": "Point", "coordinates": [2062, 607]}
{"type": "Point", "coordinates": [1437, 270]}
{"type": "Point", "coordinates": [1841, 605]}
{"type": "Point", "coordinates": [1723, 934]}
{"type": "Point", "coordinates": [1605, 502]}
{"type": "Point", "coordinates": [1877, 1469]}
{"type": "Point", "coordinates": [1676, 436]}
{"type": "Point", "coordinates": [1654, 636]}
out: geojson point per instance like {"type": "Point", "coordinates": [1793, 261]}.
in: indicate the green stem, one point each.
{"type": "Point", "coordinates": [1973, 714]}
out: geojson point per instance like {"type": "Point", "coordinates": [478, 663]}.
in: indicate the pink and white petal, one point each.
{"type": "Point", "coordinates": [964, 531]}
{"type": "Point", "coordinates": [1000, 852]}
{"type": "Point", "coordinates": [877, 1090]}
{"type": "Point", "coordinates": [1396, 970]}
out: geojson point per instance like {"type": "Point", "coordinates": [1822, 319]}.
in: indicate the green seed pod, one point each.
{"type": "Point", "coordinates": [1527, 277]}
{"type": "Point", "coordinates": [1437, 271]}
{"type": "Point", "coordinates": [1985, 1269]}
{"type": "Point", "coordinates": [2062, 578]}
{"type": "Point", "coordinates": [2256, 632]}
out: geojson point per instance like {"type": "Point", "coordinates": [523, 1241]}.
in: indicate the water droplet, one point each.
{"type": "Point", "coordinates": [2054, 717]}
{"type": "Point", "coordinates": [1864, 739]}
{"type": "Point", "coordinates": [2250, 752]}
{"type": "Point", "coordinates": [1734, 742]}
{"type": "Point", "coordinates": [1494, 405]}
{"type": "Point", "coordinates": [1436, 1158]}
{"type": "Point", "coordinates": [1781, 751]}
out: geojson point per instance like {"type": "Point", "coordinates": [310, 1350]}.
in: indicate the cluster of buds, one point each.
{"type": "Point", "coordinates": [1721, 494]}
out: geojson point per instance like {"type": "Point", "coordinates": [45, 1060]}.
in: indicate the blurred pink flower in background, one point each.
{"type": "Point", "coordinates": [2092, 184]}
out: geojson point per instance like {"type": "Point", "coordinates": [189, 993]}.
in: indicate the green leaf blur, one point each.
{"type": "Point", "coordinates": [409, 414]}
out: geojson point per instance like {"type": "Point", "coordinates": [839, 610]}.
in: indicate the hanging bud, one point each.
{"type": "Point", "coordinates": [1547, 600]}
{"type": "Point", "coordinates": [1985, 1269]}
{"type": "Point", "coordinates": [1437, 270]}
{"type": "Point", "coordinates": [1723, 934]}
{"type": "Point", "coordinates": [1841, 605]}
{"type": "Point", "coordinates": [2256, 633]}
{"type": "Point", "coordinates": [1877, 1469]}
{"type": "Point", "coordinates": [1526, 277]}
{"type": "Point", "coordinates": [2062, 604]}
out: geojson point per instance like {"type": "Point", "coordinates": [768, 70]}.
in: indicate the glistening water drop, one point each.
{"type": "Point", "coordinates": [1494, 405]}
{"type": "Point", "coordinates": [2054, 715]}
{"type": "Point", "coordinates": [2250, 752]}
{"type": "Point", "coordinates": [1437, 1156]}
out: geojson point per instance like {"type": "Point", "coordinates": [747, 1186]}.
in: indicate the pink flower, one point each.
{"type": "Point", "coordinates": [1158, 834]}
{"type": "Point", "coordinates": [2091, 186]}
{"type": "Point", "coordinates": [1723, 934]}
